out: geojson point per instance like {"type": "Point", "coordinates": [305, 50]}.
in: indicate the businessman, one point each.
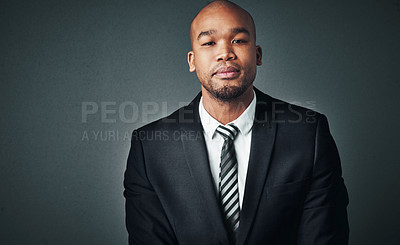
{"type": "Point", "coordinates": [235, 166]}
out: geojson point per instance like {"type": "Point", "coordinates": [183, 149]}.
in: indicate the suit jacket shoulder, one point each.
{"type": "Point", "coordinates": [183, 116]}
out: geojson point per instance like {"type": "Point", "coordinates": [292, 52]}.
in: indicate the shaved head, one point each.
{"type": "Point", "coordinates": [220, 4]}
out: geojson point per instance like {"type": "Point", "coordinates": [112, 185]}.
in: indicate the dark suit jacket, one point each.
{"type": "Point", "coordinates": [294, 191]}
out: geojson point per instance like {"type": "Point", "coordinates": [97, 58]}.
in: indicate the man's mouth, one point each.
{"type": "Point", "coordinates": [228, 72]}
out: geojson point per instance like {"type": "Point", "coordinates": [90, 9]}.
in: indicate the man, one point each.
{"type": "Point", "coordinates": [235, 166]}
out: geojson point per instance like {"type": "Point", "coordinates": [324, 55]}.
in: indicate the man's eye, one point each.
{"type": "Point", "coordinates": [238, 41]}
{"type": "Point", "coordinates": [208, 44]}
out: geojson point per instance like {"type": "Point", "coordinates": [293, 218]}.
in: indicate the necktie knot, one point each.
{"type": "Point", "coordinates": [228, 131]}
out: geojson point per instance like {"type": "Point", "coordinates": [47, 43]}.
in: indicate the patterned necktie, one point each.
{"type": "Point", "coordinates": [228, 178]}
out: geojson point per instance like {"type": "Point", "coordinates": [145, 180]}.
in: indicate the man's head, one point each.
{"type": "Point", "coordinates": [224, 52]}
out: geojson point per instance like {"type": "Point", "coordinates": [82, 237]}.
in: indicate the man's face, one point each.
{"type": "Point", "coordinates": [224, 53]}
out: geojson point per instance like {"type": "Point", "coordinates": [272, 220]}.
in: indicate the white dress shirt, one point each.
{"type": "Point", "coordinates": [242, 142]}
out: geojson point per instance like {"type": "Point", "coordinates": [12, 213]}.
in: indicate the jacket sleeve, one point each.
{"type": "Point", "coordinates": [324, 220]}
{"type": "Point", "coordinates": [146, 220]}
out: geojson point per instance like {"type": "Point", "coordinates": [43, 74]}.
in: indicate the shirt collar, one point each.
{"type": "Point", "coordinates": [244, 122]}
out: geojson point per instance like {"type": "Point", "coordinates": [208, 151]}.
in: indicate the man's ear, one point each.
{"type": "Point", "coordinates": [192, 68]}
{"type": "Point", "coordinates": [258, 55]}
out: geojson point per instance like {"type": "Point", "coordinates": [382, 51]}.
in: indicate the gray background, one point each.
{"type": "Point", "coordinates": [59, 187]}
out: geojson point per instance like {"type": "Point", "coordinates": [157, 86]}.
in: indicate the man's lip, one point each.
{"type": "Point", "coordinates": [227, 72]}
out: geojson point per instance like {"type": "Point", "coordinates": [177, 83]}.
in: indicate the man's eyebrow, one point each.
{"type": "Point", "coordinates": [236, 30]}
{"type": "Point", "coordinates": [240, 30]}
{"type": "Point", "coordinates": [205, 33]}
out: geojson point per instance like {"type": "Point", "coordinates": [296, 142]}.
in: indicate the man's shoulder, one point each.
{"type": "Point", "coordinates": [183, 115]}
{"type": "Point", "coordinates": [276, 110]}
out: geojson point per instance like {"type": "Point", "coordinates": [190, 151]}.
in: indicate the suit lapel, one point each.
{"type": "Point", "coordinates": [263, 137]}
{"type": "Point", "coordinates": [197, 159]}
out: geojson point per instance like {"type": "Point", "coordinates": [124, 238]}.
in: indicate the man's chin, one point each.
{"type": "Point", "coordinates": [228, 93]}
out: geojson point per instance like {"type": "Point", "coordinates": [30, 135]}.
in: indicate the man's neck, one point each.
{"type": "Point", "coordinates": [223, 111]}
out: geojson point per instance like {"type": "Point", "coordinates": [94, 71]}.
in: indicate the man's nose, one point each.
{"type": "Point", "coordinates": [226, 53]}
